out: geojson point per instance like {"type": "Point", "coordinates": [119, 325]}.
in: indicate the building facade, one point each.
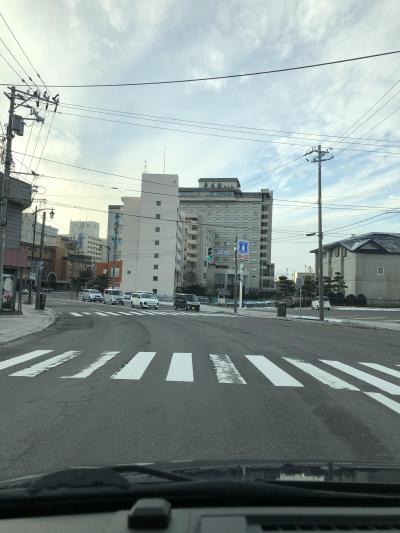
{"type": "Point", "coordinates": [86, 235]}
{"type": "Point", "coordinates": [28, 227]}
{"type": "Point", "coordinates": [151, 244]}
{"type": "Point", "coordinates": [219, 204]}
{"type": "Point", "coordinates": [369, 264]}
{"type": "Point", "coordinates": [198, 238]}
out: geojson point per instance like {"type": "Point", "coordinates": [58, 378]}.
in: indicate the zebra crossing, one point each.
{"type": "Point", "coordinates": [147, 312]}
{"type": "Point", "coordinates": [283, 373]}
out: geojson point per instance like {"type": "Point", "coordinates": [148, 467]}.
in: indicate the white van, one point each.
{"type": "Point", "coordinates": [113, 296]}
{"type": "Point", "coordinates": [144, 300]}
{"type": "Point", "coordinates": [327, 304]}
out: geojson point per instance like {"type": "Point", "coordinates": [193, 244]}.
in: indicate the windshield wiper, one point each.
{"type": "Point", "coordinates": [88, 477]}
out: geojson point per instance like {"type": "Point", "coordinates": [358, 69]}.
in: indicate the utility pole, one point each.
{"type": "Point", "coordinates": [4, 190]}
{"type": "Point", "coordinates": [235, 286]}
{"type": "Point", "coordinates": [33, 256]}
{"type": "Point", "coordinates": [39, 270]}
{"type": "Point", "coordinates": [320, 154]}
{"type": "Point", "coordinates": [240, 285]}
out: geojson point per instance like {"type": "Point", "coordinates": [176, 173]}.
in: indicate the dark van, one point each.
{"type": "Point", "coordinates": [187, 302]}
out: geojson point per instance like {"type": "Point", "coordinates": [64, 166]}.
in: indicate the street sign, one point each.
{"type": "Point", "coordinates": [243, 249]}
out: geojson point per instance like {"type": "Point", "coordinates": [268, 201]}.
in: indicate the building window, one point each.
{"type": "Point", "coordinates": [158, 216]}
{"type": "Point", "coordinates": [155, 267]}
{"type": "Point", "coordinates": [156, 243]}
{"type": "Point", "coordinates": [344, 252]}
{"type": "Point", "coordinates": [157, 229]}
{"type": "Point", "coordinates": [337, 250]}
{"type": "Point", "coordinates": [154, 291]}
{"type": "Point", "coordinates": [158, 202]}
{"type": "Point", "coordinates": [155, 278]}
{"type": "Point", "coordinates": [380, 271]}
{"type": "Point", "coordinates": [156, 256]}
{"type": "Point", "coordinates": [129, 272]}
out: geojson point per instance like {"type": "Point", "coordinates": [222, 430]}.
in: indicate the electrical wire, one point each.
{"type": "Point", "coordinates": [21, 67]}
{"type": "Point", "coordinates": [226, 76]}
{"type": "Point", "coordinates": [45, 141]}
{"type": "Point", "coordinates": [207, 134]}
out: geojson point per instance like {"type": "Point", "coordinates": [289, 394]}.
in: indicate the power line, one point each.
{"type": "Point", "coordinates": [23, 51]}
{"type": "Point", "coordinates": [45, 141]}
{"type": "Point", "coordinates": [226, 76]}
{"type": "Point", "coordinates": [12, 68]}
{"type": "Point", "coordinates": [19, 64]}
{"type": "Point", "coordinates": [207, 134]}
{"type": "Point", "coordinates": [361, 221]}
{"type": "Point", "coordinates": [218, 126]}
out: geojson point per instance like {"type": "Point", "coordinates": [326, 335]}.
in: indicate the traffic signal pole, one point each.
{"type": "Point", "coordinates": [235, 286]}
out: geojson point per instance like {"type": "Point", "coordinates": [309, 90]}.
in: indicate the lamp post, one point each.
{"type": "Point", "coordinates": [39, 270]}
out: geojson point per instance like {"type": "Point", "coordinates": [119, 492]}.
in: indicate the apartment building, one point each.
{"type": "Point", "coordinates": [28, 227]}
{"type": "Point", "coordinates": [114, 231]}
{"type": "Point", "coordinates": [230, 213]}
{"type": "Point", "coordinates": [152, 237]}
{"type": "Point", "coordinates": [198, 238]}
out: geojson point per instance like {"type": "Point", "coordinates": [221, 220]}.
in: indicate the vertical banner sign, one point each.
{"type": "Point", "coordinates": [243, 249]}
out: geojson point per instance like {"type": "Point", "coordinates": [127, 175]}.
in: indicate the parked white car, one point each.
{"type": "Point", "coordinates": [327, 304]}
{"type": "Point", "coordinates": [91, 295]}
{"type": "Point", "coordinates": [144, 300]}
{"type": "Point", "coordinates": [113, 297]}
{"type": "Point", "coordinates": [127, 296]}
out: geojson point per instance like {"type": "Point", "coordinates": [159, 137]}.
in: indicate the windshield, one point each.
{"type": "Point", "coordinates": [191, 298]}
{"type": "Point", "coordinates": [223, 176]}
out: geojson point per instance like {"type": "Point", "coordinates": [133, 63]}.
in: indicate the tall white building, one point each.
{"type": "Point", "coordinates": [153, 236]}
{"type": "Point", "coordinates": [86, 235]}
{"type": "Point", "coordinates": [114, 231]}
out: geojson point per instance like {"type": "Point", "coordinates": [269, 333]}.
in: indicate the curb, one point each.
{"type": "Point", "coordinates": [351, 324]}
{"type": "Point", "coordinates": [52, 318]}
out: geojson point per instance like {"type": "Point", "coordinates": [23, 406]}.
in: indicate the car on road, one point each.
{"type": "Point", "coordinates": [127, 296]}
{"type": "Point", "coordinates": [144, 300]}
{"type": "Point", "coordinates": [91, 295]}
{"type": "Point", "coordinates": [113, 297]}
{"type": "Point", "coordinates": [187, 302]}
{"type": "Point", "coordinates": [327, 304]}
{"type": "Point", "coordinates": [25, 291]}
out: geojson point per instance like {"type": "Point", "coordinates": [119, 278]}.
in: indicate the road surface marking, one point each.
{"type": "Point", "coordinates": [134, 313]}
{"type": "Point", "coordinates": [123, 313]}
{"type": "Point", "coordinates": [75, 314]}
{"type": "Point", "coordinates": [34, 370]}
{"type": "Point", "coordinates": [271, 371]}
{"type": "Point", "coordinates": [111, 313]}
{"type": "Point", "coordinates": [321, 375]}
{"type": "Point", "coordinates": [100, 313]}
{"type": "Point", "coordinates": [88, 371]}
{"type": "Point", "coordinates": [22, 358]}
{"type": "Point", "coordinates": [364, 376]}
{"type": "Point", "coordinates": [181, 367]}
{"type": "Point", "coordinates": [384, 400]}
{"type": "Point", "coordinates": [86, 313]}
{"type": "Point", "coordinates": [136, 367]}
{"type": "Point", "coordinates": [381, 368]}
{"type": "Point", "coordinates": [226, 371]}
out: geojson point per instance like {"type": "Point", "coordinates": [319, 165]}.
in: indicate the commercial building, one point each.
{"type": "Point", "coordinates": [114, 231]}
{"type": "Point", "coordinates": [152, 236]}
{"type": "Point", "coordinates": [198, 238]}
{"type": "Point", "coordinates": [369, 264]}
{"type": "Point", "coordinates": [221, 205]}
{"type": "Point", "coordinates": [15, 258]}
{"type": "Point", "coordinates": [113, 269]}
{"type": "Point", "coordinates": [86, 235]}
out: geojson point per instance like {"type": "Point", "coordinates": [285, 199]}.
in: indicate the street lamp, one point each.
{"type": "Point", "coordinates": [39, 273]}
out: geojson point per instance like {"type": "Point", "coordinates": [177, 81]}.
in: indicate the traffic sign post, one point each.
{"type": "Point", "coordinates": [243, 249]}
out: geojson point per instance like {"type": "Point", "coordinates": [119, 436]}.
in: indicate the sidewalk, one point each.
{"type": "Point", "coordinates": [13, 327]}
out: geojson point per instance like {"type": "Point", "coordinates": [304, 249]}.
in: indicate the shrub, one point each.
{"type": "Point", "coordinates": [337, 298]}
{"type": "Point", "coordinates": [361, 300]}
{"type": "Point", "coordinates": [350, 300]}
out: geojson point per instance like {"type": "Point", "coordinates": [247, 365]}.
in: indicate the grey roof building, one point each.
{"type": "Point", "coordinates": [370, 264]}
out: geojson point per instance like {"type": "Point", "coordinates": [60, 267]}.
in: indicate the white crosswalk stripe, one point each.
{"type": "Point", "coordinates": [225, 370]}
{"type": "Point", "coordinates": [100, 313]}
{"type": "Point", "coordinates": [271, 371]}
{"type": "Point", "coordinates": [385, 369]}
{"type": "Point", "coordinates": [13, 361]}
{"type": "Point", "coordinates": [34, 370]}
{"type": "Point", "coordinates": [379, 383]}
{"type": "Point", "coordinates": [150, 313]}
{"type": "Point", "coordinates": [181, 368]}
{"type": "Point", "coordinates": [136, 366]}
{"type": "Point", "coordinates": [88, 371]}
{"type": "Point", "coordinates": [384, 400]}
{"type": "Point", "coordinates": [321, 375]}
{"type": "Point", "coordinates": [75, 314]}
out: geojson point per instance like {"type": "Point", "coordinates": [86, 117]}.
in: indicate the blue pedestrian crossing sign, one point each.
{"type": "Point", "coordinates": [243, 248]}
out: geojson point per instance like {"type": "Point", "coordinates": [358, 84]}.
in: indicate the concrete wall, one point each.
{"type": "Point", "coordinates": [373, 285]}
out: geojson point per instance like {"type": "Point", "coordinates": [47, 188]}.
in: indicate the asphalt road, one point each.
{"type": "Point", "coordinates": [118, 388]}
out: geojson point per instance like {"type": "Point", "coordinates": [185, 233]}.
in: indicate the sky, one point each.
{"type": "Point", "coordinates": [275, 118]}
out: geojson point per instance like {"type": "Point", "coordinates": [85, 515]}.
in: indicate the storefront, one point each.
{"type": "Point", "coordinates": [14, 263]}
